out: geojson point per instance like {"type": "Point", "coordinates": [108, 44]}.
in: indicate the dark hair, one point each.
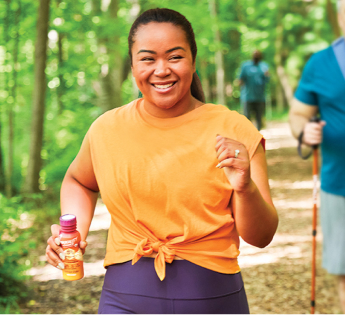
{"type": "Point", "coordinates": [257, 56]}
{"type": "Point", "coordinates": [169, 16]}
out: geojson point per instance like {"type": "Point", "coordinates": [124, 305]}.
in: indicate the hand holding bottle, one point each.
{"type": "Point", "coordinates": [65, 248]}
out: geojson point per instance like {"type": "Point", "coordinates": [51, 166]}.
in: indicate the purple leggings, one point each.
{"type": "Point", "coordinates": [186, 289]}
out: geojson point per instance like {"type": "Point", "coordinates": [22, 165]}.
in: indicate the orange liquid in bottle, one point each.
{"type": "Point", "coordinates": [70, 239]}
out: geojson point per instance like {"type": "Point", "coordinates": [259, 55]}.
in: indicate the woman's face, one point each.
{"type": "Point", "coordinates": [163, 67]}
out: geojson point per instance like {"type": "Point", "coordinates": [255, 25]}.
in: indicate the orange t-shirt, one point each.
{"type": "Point", "coordinates": [159, 181]}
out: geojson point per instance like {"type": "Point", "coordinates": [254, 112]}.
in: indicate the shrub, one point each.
{"type": "Point", "coordinates": [15, 243]}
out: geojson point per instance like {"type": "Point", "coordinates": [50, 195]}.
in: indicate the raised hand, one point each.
{"type": "Point", "coordinates": [234, 159]}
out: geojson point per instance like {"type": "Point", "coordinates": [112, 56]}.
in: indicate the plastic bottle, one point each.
{"type": "Point", "coordinates": [69, 239]}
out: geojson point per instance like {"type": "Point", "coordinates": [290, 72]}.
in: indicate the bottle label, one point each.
{"type": "Point", "coordinates": [72, 250]}
{"type": "Point", "coordinates": [70, 243]}
{"type": "Point", "coordinates": [73, 257]}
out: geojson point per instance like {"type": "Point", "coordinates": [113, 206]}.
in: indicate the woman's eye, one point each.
{"type": "Point", "coordinates": [147, 59]}
{"type": "Point", "coordinates": [175, 57]}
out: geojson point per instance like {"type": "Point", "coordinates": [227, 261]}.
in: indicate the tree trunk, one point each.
{"type": "Point", "coordinates": [61, 88]}
{"type": "Point", "coordinates": [277, 61]}
{"type": "Point", "coordinates": [111, 75]}
{"type": "Point", "coordinates": [332, 18]}
{"type": "Point", "coordinates": [6, 84]}
{"type": "Point", "coordinates": [285, 84]}
{"type": "Point", "coordinates": [116, 62]}
{"type": "Point", "coordinates": [205, 82]}
{"type": "Point", "coordinates": [31, 184]}
{"type": "Point", "coordinates": [281, 74]}
{"type": "Point", "coordinates": [9, 168]}
{"type": "Point", "coordinates": [96, 7]}
{"type": "Point", "coordinates": [279, 96]}
{"type": "Point", "coordinates": [218, 58]}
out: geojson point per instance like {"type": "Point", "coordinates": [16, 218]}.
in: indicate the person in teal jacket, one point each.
{"type": "Point", "coordinates": [253, 79]}
{"type": "Point", "coordinates": [321, 90]}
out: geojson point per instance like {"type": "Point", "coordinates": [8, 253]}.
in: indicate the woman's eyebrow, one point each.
{"type": "Point", "coordinates": [175, 48]}
{"type": "Point", "coordinates": [146, 51]}
{"type": "Point", "coordinates": [153, 52]}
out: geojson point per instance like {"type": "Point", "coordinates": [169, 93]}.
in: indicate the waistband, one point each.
{"type": "Point", "coordinates": [184, 280]}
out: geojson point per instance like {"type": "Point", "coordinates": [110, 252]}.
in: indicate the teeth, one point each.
{"type": "Point", "coordinates": [165, 86]}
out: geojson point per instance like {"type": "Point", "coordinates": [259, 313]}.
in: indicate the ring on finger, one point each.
{"type": "Point", "coordinates": [237, 152]}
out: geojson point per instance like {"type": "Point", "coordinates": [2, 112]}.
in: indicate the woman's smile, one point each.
{"type": "Point", "coordinates": [163, 86]}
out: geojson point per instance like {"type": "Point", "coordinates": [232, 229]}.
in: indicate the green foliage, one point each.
{"type": "Point", "coordinates": [90, 36]}
{"type": "Point", "coordinates": [15, 243]}
{"type": "Point", "coordinates": [86, 39]}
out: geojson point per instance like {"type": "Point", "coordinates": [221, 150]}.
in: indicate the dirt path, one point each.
{"type": "Point", "coordinates": [277, 278]}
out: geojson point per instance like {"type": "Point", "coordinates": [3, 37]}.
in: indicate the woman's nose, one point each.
{"type": "Point", "coordinates": [162, 69]}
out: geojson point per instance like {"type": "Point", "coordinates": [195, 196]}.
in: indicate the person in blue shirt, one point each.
{"type": "Point", "coordinates": [253, 79]}
{"type": "Point", "coordinates": [322, 90]}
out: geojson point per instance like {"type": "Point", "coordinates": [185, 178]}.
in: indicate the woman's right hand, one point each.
{"type": "Point", "coordinates": [54, 252]}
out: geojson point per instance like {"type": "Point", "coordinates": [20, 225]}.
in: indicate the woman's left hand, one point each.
{"type": "Point", "coordinates": [234, 159]}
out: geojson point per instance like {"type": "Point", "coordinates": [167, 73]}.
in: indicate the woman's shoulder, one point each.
{"type": "Point", "coordinates": [232, 124]}
{"type": "Point", "coordinates": [221, 115]}
{"type": "Point", "coordinates": [118, 111]}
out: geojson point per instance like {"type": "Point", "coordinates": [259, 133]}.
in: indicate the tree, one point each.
{"type": "Point", "coordinates": [111, 74]}
{"type": "Point", "coordinates": [332, 18]}
{"type": "Point", "coordinates": [284, 85]}
{"type": "Point", "coordinates": [31, 184]}
{"type": "Point", "coordinates": [9, 168]}
{"type": "Point", "coordinates": [7, 85]}
{"type": "Point", "coordinates": [87, 67]}
{"type": "Point", "coordinates": [218, 57]}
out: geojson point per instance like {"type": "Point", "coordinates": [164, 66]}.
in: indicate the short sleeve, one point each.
{"type": "Point", "coordinates": [245, 132]}
{"type": "Point", "coordinates": [305, 92]}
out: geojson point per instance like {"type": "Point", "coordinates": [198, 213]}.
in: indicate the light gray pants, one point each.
{"type": "Point", "coordinates": [332, 212]}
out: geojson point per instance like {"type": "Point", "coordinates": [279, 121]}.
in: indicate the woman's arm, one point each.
{"type": "Point", "coordinates": [79, 193]}
{"type": "Point", "coordinates": [79, 190]}
{"type": "Point", "coordinates": [255, 216]}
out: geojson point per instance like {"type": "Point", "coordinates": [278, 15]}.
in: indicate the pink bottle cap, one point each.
{"type": "Point", "coordinates": [68, 220]}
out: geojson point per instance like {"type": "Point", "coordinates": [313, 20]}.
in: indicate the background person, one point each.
{"type": "Point", "coordinates": [322, 90]}
{"type": "Point", "coordinates": [253, 79]}
{"type": "Point", "coordinates": [181, 180]}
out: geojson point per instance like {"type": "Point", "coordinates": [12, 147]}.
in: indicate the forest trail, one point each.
{"type": "Point", "coordinates": [277, 278]}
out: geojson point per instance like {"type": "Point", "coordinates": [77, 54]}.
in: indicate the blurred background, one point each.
{"type": "Point", "coordinates": [63, 63]}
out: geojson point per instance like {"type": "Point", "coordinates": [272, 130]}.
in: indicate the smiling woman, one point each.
{"type": "Point", "coordinates": [178, 192]}
{"type": "Point", "coordinates": [176, 20]}
{"type": "Point", "coordinates": [163, 67]}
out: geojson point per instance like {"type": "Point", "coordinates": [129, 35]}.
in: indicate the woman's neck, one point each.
{"type": "Point", "coordinates": [174, 111]}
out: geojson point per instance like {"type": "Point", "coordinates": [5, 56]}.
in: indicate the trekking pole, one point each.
{"type": "Point", "coordinates": [315, 180]}
{"type": "Point", "coordinates": [313, 266]}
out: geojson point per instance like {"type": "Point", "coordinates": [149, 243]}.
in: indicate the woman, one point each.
{"type": "Point", "coordinates": [176, 175]}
